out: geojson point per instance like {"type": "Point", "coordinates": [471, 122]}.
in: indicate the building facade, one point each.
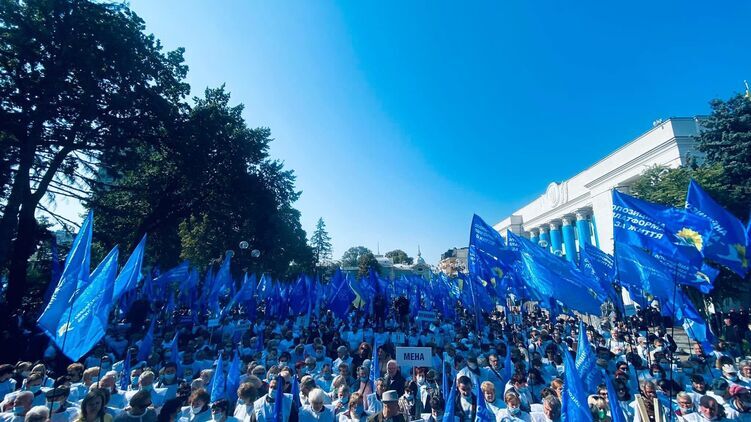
{"type": "Point", "coordinates": [580, 209]}
{"type": "Point", "coordinates": [453, 260]}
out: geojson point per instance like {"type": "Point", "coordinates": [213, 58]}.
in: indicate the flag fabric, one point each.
{"type": "Point", "coordinates": [144, 349]}
{"type": "Point", "coordinates": [295, 391]}
{"type": "Point", "coordinates": [586, 361]}
{"type": "Point", "coordinates": [131, 273]}
{"type": "Point", "coordinates": [616, 413]}
{"type": "Point", "coordinates": [233, 377]}
{"type": "Point", "coordinates": [176, 353]}
{"type": "Point", "coordinates": [727, 242]}
{"type": "Point", "coordinates": [600, 266]}
{"type": "Point", "coordinates": [445, 379]}
{"type": "Point", "coordinates": [574, 407]}
{"type": "Point", "coordinates": [75, 274]}
{"type": "Point", "coordinates": [687, 315]}
{"type": "Point", "coordinates": [277, 413]}
{"type": "Point", "coordinates": [448, 414]}
{"type": "Point", "coordinates": [672, 232]}
{"type": "Point", "coordinates": [89, 313]}
{"type": "Point", "coordinates": [343, 295]}
{"type": "Point", "coordinates": [507, 364]}
{"type": "Point", "coordinates": [125, 372]}
{"type": "Point", "coordinates": [374, 365]}
{"type": "Point", "coordinates": [483, 414]}
{"type": "Point", "coordinates": [218, 381]}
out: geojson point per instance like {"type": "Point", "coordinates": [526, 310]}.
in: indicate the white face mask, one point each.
{"type": "Point", "coordinates": [196, 409]}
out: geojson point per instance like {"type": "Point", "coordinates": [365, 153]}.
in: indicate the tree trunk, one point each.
{"type": "Point", "coordinates": [23, 248]}
{"type": "Point", "coordinates": [20, 192]}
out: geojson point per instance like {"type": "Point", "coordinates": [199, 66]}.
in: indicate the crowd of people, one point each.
{"type": "Point", "coordinates": [319, 368]}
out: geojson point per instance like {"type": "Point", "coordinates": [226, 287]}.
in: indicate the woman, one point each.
{"type": "Point", "coordinates": [513, 411]}
{"type": "Point", "coordinates": [198, 408]}
{"type": "Point", "coordinates": [536, 383]}
{"type": "Point", "coordinates": [557, 386]}
{"type": "Point", "coordinates": [599, 408]}
{"type": "Point", "coordinates": [356, 411]}
{"type": "Point", "coordinates": [624, 398]}
{"type": "Point", "coordinates": [93, 408]}
{"type": "Point", "coordinates": [410, 406]}
{"type": "Point", "coordinates": [488, 392]}
{"type": "Point", "coordinates": [364, 386]}
{"type": "Point", "coordinates": [219, 411]}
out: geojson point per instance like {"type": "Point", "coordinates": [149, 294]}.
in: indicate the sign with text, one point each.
{"type": "Point", "coordinates": [414, 356]}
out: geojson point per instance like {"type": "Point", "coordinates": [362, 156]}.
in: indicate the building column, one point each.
{"type": "Point", "coordinates": [556, 240]}
{"type": "Point", "coordinates": [534, 236]}
{"type": "Point", "coordinates": [582, 228]}
{"type": "Point", "coordinates": [569, 239]}
{"type": "Point", "coordinates": [545, 237]}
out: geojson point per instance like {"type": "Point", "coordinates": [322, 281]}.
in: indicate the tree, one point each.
{"type": "Point", "coordinates": [77, 78]}
{"type": "Point", "coordinates": [320, 242]}
{"type": "Point", "coordinates": [367, 262]}
{"type": "Point", "coordinates": [398, 256]}
{"type": "Point", "coordinates": [351, 257]}
{"type": "Point", "coordinates": [212, 186]}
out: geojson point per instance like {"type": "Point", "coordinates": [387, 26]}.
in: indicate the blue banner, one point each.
{"type": "Point", "coordinates": [130, 275]}
{"type": "Point", "coordinates": [586, 361]}
{"type": "Point", "coordinates": [574, 407]}
{"type": "Point", "coordinates": [218, 381]}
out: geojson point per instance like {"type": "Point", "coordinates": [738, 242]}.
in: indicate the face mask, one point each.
{"type": "Point", "coordinates": [147, 388]}
{"type": "Point", "coordinates": [168, 377]}
{"type": "Point", "coordinates": [35, 388]}
{"type": "Point", "coordinates": [18, 410]}
{"type": "Point", "coordinates": [240, 401]}
{"type": "Point", "coordinates": [55, 406]}
{"type": "Point", "coordinates": [363, 379]}
{"type": "Point", "coordinates": [216, 416]}
{"type": "Point", "coordinates": [601, 414]}
{"type": "Point", "coordinates": [472, 366]}
{"type": "Point", "coordinates": [134, 380]}
{"type": "Point", "coordinates": [733, 378]}
{"type": "Point", "coordinates": [94, 380]}
{"type": "Point", "coordinates": [515, 411]}
{"type": "Point", "coordinates": [272, 393]}
{"type": "Point", "coordinates": [196, 409]}
{"type": "Point", "coordinates": [25, 374]}
{"type": "Point", "coordinates": [687, 411]}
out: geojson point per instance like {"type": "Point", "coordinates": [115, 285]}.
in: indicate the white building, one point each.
{"type": "Point", "coordinates": [580, 208]}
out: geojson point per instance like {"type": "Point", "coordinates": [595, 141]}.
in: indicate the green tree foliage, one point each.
{"type": "Point", "coordinates": [367, 262]}
{"type": "Point", "coordinates": [209, 187]}
{"type": "Point", "coordinates": [77, 79]}
{"type": "Point", "coordinates": [398, 256]}
{"type": "Point", "coordinates": [351, 257]}
{"type": "Point", "coordinates": [320, 242]}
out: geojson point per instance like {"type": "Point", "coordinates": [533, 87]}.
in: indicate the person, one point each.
{"type": "Point", "coordinates": [513, 411]}
{"type": "Point", "coordinates": [61, 410]}
{"type": "Point", "coordinates": [263, 408]}
{"type": "Point", "coordinates": [21, 406]}
{"type": "Point", "coordinates": [219, 412]}
{"type": "Point", "coordinates": [117, 397]}
{"type": "Point", "coordinates": [409, 405]}
{"type": "Point", "coordinates": [363, 386]}
{"type": "Point", "coordinates": [598, 406]}
{"type": "Point", "coordinates": [34, 385]}
{"type": "Point", "coordinates": [740, 402]}
{"type": "Point", "coordinates": [465, 404]}
{"type": "Point", "coordinates": [491, 400]}
{"type": "Point", "coordinates": [645, 406]}
{"type": "Point", "coordinates": [7, 383]}
{"type": "Point", "coordinates": [246, 395]}
{"type": "Point", "coordinates": [146, 383]}
{"type": "Point", "coordinates": [169, 411]}
{"type": "Point", "coordinates": [356, 411]}
{"type": "Point", "coordinates": [198, 409]}
{"type": "Point", "coordinates": [38, 414]}
{"type": "Point", "coordinates": [316, 410]}
{"type": "Point", "coordinates": [551, 410]}
{"type": "Point", "coordinates": [341, 399]}
{"type": "Point", "coordinates": [437, 409]}
{"type": "Point", "coordinates": [93, 407]}
{"type": "Point", "coordinates": [390, 411]}
{"type": "Point", "coordinates": [518, 385]}
{"type": "Point", "coordinates": [139, 409]}
{"type": "Point", "coordinates": [394, 379]}
{"type": "Point", "coordinates": [686, 408]}
{"type": "Point", "coordinates": [373, 402]}
{"type": "Point", "coordinates": [711, 410]}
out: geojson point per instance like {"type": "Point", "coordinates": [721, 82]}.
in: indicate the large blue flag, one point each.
{"type": "Point", "coordinates": [299, 296]}
{"type": "Point", "coordinates": [488, 258]}
{"type": "Point", "coordinates": [693, 323]}
{"type": "Point", "coordinates": [586, 361]}
{"type": "Point", "coordinates": [131, 273]}
{"type": "Point", "coordinates": [342, 297]}
{"type": "Point", "coordinates": [727, 242]}
{"type": "Point", "coordinates": [483, 413]}
{"type": "Point", "coordinates": [176, 354]}
{"type": "Point", "coordinates": [601, 267]}
{"type": "Point", "coordinates": [125, 372]}
{"type": "Point", "coordinates": [616, 413]}
{"type": "Point", "coordinates": [672, 232]}
{"type": "Point", "coordinates": [75, 274]}
{"type": "Point", "coordinates": [277, 411]}
{"type": "Point", "coordinates": [219, 381]}
{"type": "Point", "coordinates": [89, 318]}
{"type": "Point", "coordinates": [574, 407]}
{"type": "Point", "coordinates": [233, 377]}
{"type": "Point", "coordinates": [448, 414]}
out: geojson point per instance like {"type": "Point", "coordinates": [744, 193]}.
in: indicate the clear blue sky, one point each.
{"type": "Point", "coordinates": [403, 118]}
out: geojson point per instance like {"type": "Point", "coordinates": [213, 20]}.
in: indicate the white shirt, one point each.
{"type": "Point", "coordinates": [307, 414]}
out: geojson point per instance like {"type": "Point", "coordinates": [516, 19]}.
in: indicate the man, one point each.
{"type": "Point", "coordinates": [373, 401]}
{"type": "Point", "coordinates": [518, 385]}
{"type": "Point", "coordinates": [34, 385]}
{"type": "Point", "coordinates": [686, 408]}
{"type": "Point", "coordinates": [394, 379]}
{"type": "Point", "coordinates": [342, 357]}
{"type": "Point", "coordinates": [146, 383]}
{"type": "Point", "coordinates": [711, 410]}
{"type": "Point", "coordinates": [61, 410]}
{"type": "Point", "coordinates": [739, 406]}
{"type": "Point", "coordinates": [263, 408]}
{"type": "Point", "coordinates": [245, 398]}
{"type": "Point", "coordinates": [316, 411]}
{"type": "Point", "coordinates": [471, 370]}
{"type": "Point", "coordinates": [390, 411]}
{"type": "Point", "coordinates": [168, 381]}
{"type": "Point", "coordinates": [117, 397]}
{"type": "Point", "coordinates": [551, 410]}
{"type": "Point", "coordinates": [21, 406]}
{"type": "Point", "coordinates": [325, 379]}
{"type": "Point", "coordinates": [465, 405]}
{"type": "Point", "coordinates": [697, 389]}
{"type": "Point", "coordinates": [744, 378]}
{"type": "Point", "coordinates": [140, 409]}
{"type": "Point", "coordinates": [645, 406]}
{"type": "Point", "coordinates": [492, 372]}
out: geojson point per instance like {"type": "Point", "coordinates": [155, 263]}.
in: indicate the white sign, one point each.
{"type": "Point", "coordinates": [414, 356]}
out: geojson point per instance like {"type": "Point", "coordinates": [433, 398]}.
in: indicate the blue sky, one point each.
{"type": "Point", "coordinates": [403, 118]}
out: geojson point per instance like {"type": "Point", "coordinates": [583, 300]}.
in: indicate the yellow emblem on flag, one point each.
{"type": "Point", "coordinates": [691, 237]}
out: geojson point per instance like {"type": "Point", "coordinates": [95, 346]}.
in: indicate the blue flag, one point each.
{"type": "Point", "coordinates": [219, 381]}
{"type": "Point", "coordinates": [586, 361]}
{"type": "Point", "coordinates": [125, 372]}
{"type": "Point", "coordinates": [616, 413]}
{"type": "Point", "coordinates": [144, 349]}
{"type": "Point", "coordinates": [342, 297]}
{"type": "Point", "coordinates": [727, 242]}
{"type": "Point", "coordinates": [601, 267]}
{"type": "Point", "coordinates": [277, 413]}
{"type": "Point", "coordinates": [75, 274]}
{"type": "Point", "coordinates": [374, 365]}
{"type": "Point", "coordinates": [445, 379]}
{"type": "Point", "coordinates": [693, 323]}
{"type": "Point", "coordinates": [233, 377]}
{"type": "Point", "coordinates": [448, 414]}
{"type": "Point", "coordinates": [508, 365]}
{"type": "Point", "coordinates": [176, 354]}
{"type": "Point", "coordinates": [89, 318]}
{"type": "Point", "coordinates": [131, 272]}
{"type": "Point", "coordinates": [295, 390]}
{"type": "Point", "coordinates": [672, 232]}
{"type": "Point", "coordinates": [574, 407]}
